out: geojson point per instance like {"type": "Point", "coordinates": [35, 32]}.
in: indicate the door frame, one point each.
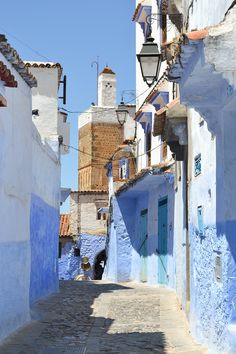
{"type": "Point", "coordinates": [143, 246]}
{"type": "Point", "coordinates": [161, 263]}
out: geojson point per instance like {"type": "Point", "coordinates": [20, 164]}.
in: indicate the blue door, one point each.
{"type": "Point", "coordinates": [162, 240]}
{"type": "Point", "coordinates": [143, 245]}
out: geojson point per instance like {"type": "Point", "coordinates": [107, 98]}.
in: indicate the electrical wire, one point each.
{"type": "Point", "coordinates": [109, 159]}
{"type": "Point", "coordinates": [25, 44]}
{"type": "Point", "coordinates": [103, 109]}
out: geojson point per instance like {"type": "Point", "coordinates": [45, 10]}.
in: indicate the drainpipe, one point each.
{"type": "Point", "coordinates": [187, 235]}
{"type": "Point", "coordinates": [60, 142]}
{"type": "Point", "coordinates": [187, 202]}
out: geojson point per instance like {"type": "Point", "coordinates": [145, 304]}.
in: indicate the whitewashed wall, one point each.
{"type": "Point", "coordinates": [178, 269]}
{"type": "Point", "coordinates": [45, 100]}
{"type": "Point", "coordinates": [63, 129]}
{"type": "Point", "coordinates": [142, 89]}
{"type": "Point", "coordinates": [15, 198]}
{"type": "Point", "coordinates": [97, 114]}
{"type": "Point", "coordinates": [46, 171]}
{"type": "Point", "coordinates": [89, 217]}
{"type": "Point", "coordinates": [29, 196]}
{"type": "Point", "coordinates": [206, 13]}
{"type": "Point", "coordinates": [107, 90]}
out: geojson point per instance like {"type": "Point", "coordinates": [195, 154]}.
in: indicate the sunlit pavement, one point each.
{"type": "Point", "coordinates": [98, 317]}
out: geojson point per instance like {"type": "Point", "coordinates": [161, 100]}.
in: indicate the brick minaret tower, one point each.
{"type": "Point", "coordinates": [99, 135]}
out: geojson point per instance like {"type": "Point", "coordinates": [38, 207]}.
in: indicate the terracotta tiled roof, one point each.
{"type": "Point", "coordinates": [13, 57]}
{"type": "Point", "coordinates": [92, 191]}
{"type": "Point", "coordinates": [155, 90]}
{"type": "Point", "coordinates": [137, 10]}
{"type": "Point", "coordinates": [6, 76]}
{"type": "Point", "coordinates": [197, 35]}
{"type": "Point", "coordinates": [163, 167]}
{"type": "Point", "coordinates": [168, 106]}
{"type": "Point", "coordinates": [107, 70]}
{"type": "Point", "coordinates": [3, 102]}
{"type": "Point", "coordinates": [160, 117]}
{"type": "Point", "coordinates": [193, 36]}
{"type": "Point", "coordinates": [65, 225]}
{"type": "Point", "coordinates": [137, 114]}
{"type": "Point", "coordinates": [36, 64]}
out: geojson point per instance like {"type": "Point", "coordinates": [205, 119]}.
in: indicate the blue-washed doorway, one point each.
{"type": "Point", "coordinates": [143, 245]}
{"type": "Point", "coordinates": [162, 240]}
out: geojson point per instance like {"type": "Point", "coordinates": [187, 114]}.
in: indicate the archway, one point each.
{"type": "Point", "coordinates": [99, 265]}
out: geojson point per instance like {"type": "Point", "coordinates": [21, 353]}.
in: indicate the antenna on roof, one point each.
{"type": "Point", "coordinates": [96, 62]}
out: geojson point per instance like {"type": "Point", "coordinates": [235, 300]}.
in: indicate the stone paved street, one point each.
{"type": "Point", "coordinates": [98, 317]}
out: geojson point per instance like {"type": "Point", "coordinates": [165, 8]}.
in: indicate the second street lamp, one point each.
{"type": "Point", "coordinates": [122, 113]}
{"type": "Point", "coordinates": [150, 61]}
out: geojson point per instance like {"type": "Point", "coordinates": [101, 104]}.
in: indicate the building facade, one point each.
{"type": "Point", "coordinates": [185, 135]}
{"type": "Point", "coordinates": [208, 70]}
{"type": "Point", "coordinates": [101, 139]}
{"type": "Point", "coordinates": [148, 221]}
{"type": "Point", "coordinates": [29, 193]}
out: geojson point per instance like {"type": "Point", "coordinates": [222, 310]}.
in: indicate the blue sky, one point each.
{"type": "Point", "coordinates": [74, 33]}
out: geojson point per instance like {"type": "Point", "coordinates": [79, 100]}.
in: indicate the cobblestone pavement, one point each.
{"type": "Point", "coordinates": [98, 317]}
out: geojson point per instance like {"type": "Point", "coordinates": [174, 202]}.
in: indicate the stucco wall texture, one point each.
{"type": "Point", "coordinates": [15, 187]}
{"type": "Point", "coordinates": [213, 251]}
{"type": "Point", "coordinates": [29, 224]}
{"type": "Point", "coordinates": [90, 246]}
{"type": "Point", "coordinates": [44, 225]}
{"type": "Point", "coordinates": [124, 260]}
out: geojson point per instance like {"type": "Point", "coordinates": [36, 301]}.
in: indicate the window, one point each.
{"type": "Point", "coordinates": [197, 165]}
{"type": "Point", "coordinates": [148, 146]}
{"type": "Point", "coordinates": [164, 28]}
{"type": "Point", "coordinates": [164, 150]}
{"type": "Point", "coordinates": [99, 215]}
{"type": "Point", "coordinates": [218, 269]}
{"type": "Point", "coordinates": [200, 220]}
{"type": "Point", "coordinates": [124, 168]}
{"type": "Point", "coordinates": [59, 250]}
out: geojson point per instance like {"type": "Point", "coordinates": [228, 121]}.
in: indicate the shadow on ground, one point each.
{"type": "Point", "coordinates": [83, 318]}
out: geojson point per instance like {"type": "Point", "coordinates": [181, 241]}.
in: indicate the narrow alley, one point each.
{"type": "Point", "coordinates": [98, 317]}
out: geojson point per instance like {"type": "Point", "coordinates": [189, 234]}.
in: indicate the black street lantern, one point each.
{"type": "Point", "coordinates": [122, 113]}
{"type": "Point", "coordinates": [150, 61]}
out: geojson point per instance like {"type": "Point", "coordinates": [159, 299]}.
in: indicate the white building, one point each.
{"type": "Point", "coordinates": [203, 64]}
{"type": "Point", "coordinates": [150, 248]}
{"type": "Point", "coordinates": [29, 189]}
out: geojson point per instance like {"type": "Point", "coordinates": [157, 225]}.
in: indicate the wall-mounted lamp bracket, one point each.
{"type": "Point", "coordinates": [64, 90]}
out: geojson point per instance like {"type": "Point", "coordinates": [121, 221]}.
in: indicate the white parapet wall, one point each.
{"type": "Point", "coordinates": [44, 219]}
{"type": "Point", "coordinates": [15, 197]}
{"type": "Point", "coordinates": [29, 193]}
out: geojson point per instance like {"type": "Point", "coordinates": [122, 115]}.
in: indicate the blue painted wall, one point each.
{"type": "Point", "coordinates": [44, 229]}
{"type": "Point", "coordinates": [90, 246]}
{"type": "Point", "coordinates": [212, 305]}
{"type": "Point", "coordinates": [213, 302]}
{"type": "Point", "coordinates": [14, 280]}
{"type": "Point", "coordinates": [124, 216]}
{"type": "Point", "coordinates": [124, 251]}
{"type": "Point", "coordinates": [68, 264]}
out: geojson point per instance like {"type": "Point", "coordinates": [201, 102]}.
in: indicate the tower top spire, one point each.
{"type": "Point", "coordinates": [107, 88]}
{"type": "Point", "coordinates": [107, 70]}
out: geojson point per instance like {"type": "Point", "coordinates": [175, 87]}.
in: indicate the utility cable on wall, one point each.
{"type": "Point", "coordinates": [25, 44]}
{"type": "Point", "coordinates": [103, 109]}
{"type": "Point", "coordinates": [112, 109]}
{"type": "Point", "coordinates": [109, 159]}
